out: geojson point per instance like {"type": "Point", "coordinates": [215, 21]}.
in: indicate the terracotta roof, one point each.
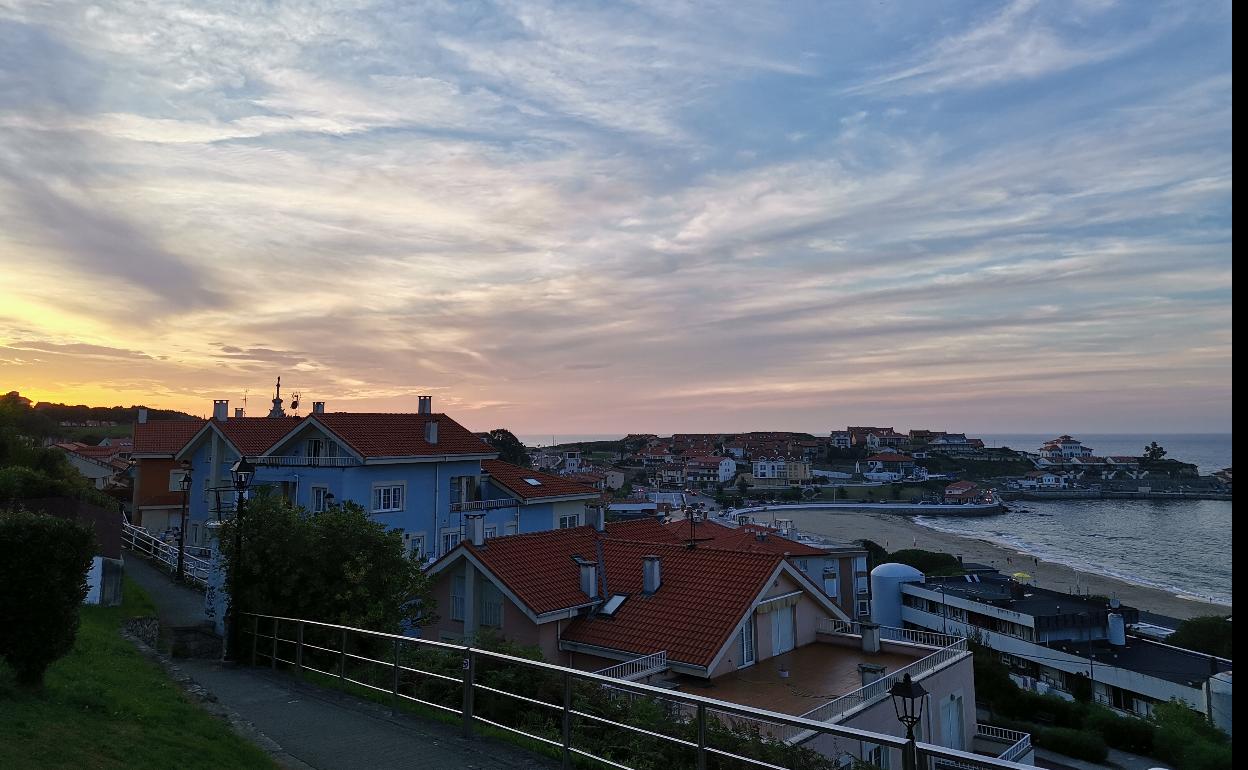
{"type": "Point", "coordinates": [711, 534]}
{"type": "Point", "coordinates": [377, 434]}
{"type": "Point", "coordinates": [164, 436]}
{"type": "Point", "coordinates": [702, 597]}
{"type": "Point", "coordinates": [254, 435]}
{"type": "Point", "coordinates": [512, 478]}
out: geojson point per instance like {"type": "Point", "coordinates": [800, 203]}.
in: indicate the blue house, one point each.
{"type": "Point", "coordinates": [419, 473]}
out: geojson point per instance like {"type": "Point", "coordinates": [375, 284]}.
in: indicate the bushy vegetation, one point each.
{"type": "Point", "coordinates": [43, 569]}
{"type": "Point", "coordinates": [28, 470]}
{"type": "Point", "coordinates": [509, 448]}
{"type": "Point", "coordinates": [1210, 634]}
{"type": "Point", "coordinates": [927, 562]}
{"type": "Point", "coordinates": [338, 566]}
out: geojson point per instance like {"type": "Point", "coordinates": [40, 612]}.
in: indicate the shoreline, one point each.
{"type": "Point", "coordinates": [896, 532]}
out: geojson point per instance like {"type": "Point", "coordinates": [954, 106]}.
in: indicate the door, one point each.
{"type": "Point", "coordinates": [951, 722]}
{"type": "Point", "coordinates": [782, 630]}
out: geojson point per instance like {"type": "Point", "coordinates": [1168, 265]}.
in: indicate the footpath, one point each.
{"type": "Point", "coordinates": [304, 726]}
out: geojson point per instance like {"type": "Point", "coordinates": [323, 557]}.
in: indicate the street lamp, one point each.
{"type": "Point", "coordinates": [241, 473]}
{"type": "Point", "coordinates": [908, 703]}
{"type": "Point", "coordinates": [185, 485]}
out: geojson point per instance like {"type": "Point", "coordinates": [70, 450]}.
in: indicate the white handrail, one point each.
{"type": "Point", "coordinates": [637, 667]}
{"type": "Point", "coordinates": [139, 540]}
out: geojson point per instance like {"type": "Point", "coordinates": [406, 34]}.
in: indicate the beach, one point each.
{"type": "Point", "coordinates": [896, 532]}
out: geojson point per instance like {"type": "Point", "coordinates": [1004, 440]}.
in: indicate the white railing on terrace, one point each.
{"type": "Point", "coordinates": [637, 668]}
{"type": "Point", "coordinates": [887, 633]}
{"type": "Point", "coordinates": [141, 541]}
{"type": "Point", "coordinates": [392, 664]}
{"type": "Point", "coordinates": [285, 461]}
{"type": "Point", "coordinates": [1019, 742]}
{"type": "Point", "coordinates": [482, 505]}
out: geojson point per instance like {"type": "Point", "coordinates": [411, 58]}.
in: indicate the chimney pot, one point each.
{"type": "Point", "coordinates": [599, 515]}
{"type": "Point", "coordinates": [870, 637]}
{"type": "Point", "coordinates": [238, 411]}
{"type": "Point", "coordinates": [424, 404]}
{"type": "Point", "coordinates": [476, 529]}
{"type": "Point", "coordinates": [651, 575]}
{"type": "Point", "coordinates": [318, 407]}
{"type": "Point", "coordinates": [221, 409]}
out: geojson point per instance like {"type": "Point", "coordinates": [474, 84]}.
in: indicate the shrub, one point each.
{"type": "Point", "coordinates": [43, 569]}
{"type": "Point", "coordinates": [1210, 634]}
{"type": "Point", "coordinates": [1125, 733]}
{"type": "Point", "coordinates": [1079, 744]}
{"type": "Point", "coordinates": [1187, 741]}
{"type": "Point", "coordinates": [927, 562]}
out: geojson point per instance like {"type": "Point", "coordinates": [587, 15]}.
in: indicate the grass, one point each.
{"type": "Point", "coordinates": [106, 706]}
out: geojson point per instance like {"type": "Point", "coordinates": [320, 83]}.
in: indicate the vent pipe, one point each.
{"type": "Point", "coordinates": [431, 432]}
{"type": "Point", "coordinates": [1117, 630]}
{"type": "Point", "coordinates": [238, 411]}
{"type": "Point", "coordinates": [651, 577]}
{"type": "Point", "coordinates": [221, 409]}
{"type": "Point", "coordinates": [870, 637]}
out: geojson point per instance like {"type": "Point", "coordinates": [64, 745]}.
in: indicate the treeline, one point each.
{"type": "Point", "coordinates": [43, 419]}
{"type": "Point", "coordinates": [30, 471]}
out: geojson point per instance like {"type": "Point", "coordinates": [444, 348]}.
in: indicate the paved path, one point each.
{"type": "Point", "coordinates": [176, 605]}
{"type": "Point", "coordinates": [320, 728]}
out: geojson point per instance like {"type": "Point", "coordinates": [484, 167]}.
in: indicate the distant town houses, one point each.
{"type": "Point", "coordinates": [1064, 448]}
{"type": "Point", "coordinates": [105, 465]}
{"type": "Point", "coordinates": [780, 472]}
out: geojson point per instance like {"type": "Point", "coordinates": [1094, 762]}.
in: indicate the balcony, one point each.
{"type": "Point", "coordinates": [299, 461]}
{"type": "Point", "coordinates": [469, 506]}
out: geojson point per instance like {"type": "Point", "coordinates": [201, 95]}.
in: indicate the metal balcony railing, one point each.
{"type": "Point", "coordinates": [637, 668]}
{"type": "Point", "coordinates": [1019, 743]}
{"type": "Point", "coordinates": [482, 505]}
{"type": "Point", "coordinates": [287, 461]}
{"type": "Point", "coordinates": [402, 667]}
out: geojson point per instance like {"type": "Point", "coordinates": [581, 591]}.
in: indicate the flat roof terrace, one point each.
{"type": "Point", "coordinates": [818, 672]}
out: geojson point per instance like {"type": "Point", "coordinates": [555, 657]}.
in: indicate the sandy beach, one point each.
{"type": "Point", "coordinates": [895, 532]}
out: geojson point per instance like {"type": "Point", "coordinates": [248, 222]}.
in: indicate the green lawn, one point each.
{"type": "Point", "coordinates": [106, 706]}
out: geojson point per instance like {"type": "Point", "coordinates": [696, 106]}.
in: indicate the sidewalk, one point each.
{"type": "Point", "coordinates": [315, 727]}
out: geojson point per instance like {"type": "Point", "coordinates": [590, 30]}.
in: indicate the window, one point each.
{"type": "Point", "coordinates": [320, 499]}
{"type": "Point", "coordinates": [803, 565]}
{"type": "Point", "coordinates": [782, 631]}
{"type": "Point", "coordinates": [745, 644]}
{"type": "Point", "coordinates": [321, 447]}
{"type": "Point", "coordinates": [415, 544]}
{"type": "Point", "coordinates": [860, 585]}
{"type": "Point", "coordinates": [387, 498]}
{"type": "Point", "coordinates": [450, 539]}
{"type": "Point", "coordinates": [463, 489]}
{"type": "Point", "coordinates": [509, 528]}
{"type": "Point", "coordinates": [457, 597]}
{"type": "Point", "coordinates": [491, 532]}
{"type": "Point", "coordinates": [875, 754]}
{"type": "Point", "coordinates": [569, 521]}
{"type": "Point", "coordinates": [830, 586]}
{"type": "Point", "coordinates": [175, 479]}
{"type": "Point", "coordinates": [491, 606]}
{"type": "Point", "coordinates": [864, 608]}
{"type": "Point", "coordinates": [860, 564]}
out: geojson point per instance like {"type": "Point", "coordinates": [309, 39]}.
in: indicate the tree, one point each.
{"type": "Point", "coordinates": [510, 449]}
{"type": "Point", "coordinates": [338, 566]}
{"type": "Point", "coordinates": [1154, 452]}
{"type": "Point", "coordinates": [43, 571]}
{"type": "Point", "coordinates": [1210, 634]}
{"type": "Point", "coordinates": [743, 486]}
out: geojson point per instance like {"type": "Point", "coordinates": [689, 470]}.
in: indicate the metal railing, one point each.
{"type": "Point", "coordinates": [287, 461]}
{"type": "Point", "coordinates": [887, 633]}
{"type": "Point", "coordinates": [637, 668]}
{"type": "Point", "coordinates": [482, 505]}
{"type": "Point", "coordinates": [558, 712]}
{"type": "Point", "coordinates": [195, 569]}
{"type": "Point", "coordinates": [1019, 742]}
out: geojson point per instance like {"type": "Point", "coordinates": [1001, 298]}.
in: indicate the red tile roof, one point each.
{"type": "Point", "coordinates": [703, 594]}
{"type": "Point", "coordinates": [710, 534]}
{"type": "Point", "coordinates": [378, 434]}
{"type": "Point", "coordinates": [512, 478]}
{"type": "Point", "coordinates": [255, 435]}
{"type": "Point", "coordinates": [164, 436]}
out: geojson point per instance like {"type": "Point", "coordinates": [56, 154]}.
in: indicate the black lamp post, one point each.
{"type": "Point", "coordinates": [908, 703]}
{"type": "Point", "coordinates": [241, 473]}
{"type": "Point", "coordinates": [185, 485]}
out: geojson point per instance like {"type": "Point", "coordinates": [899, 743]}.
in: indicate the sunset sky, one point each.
{"type": "Point", "coordinates": [660, 215]}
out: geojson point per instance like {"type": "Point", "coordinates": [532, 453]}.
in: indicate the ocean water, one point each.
{"type": "Point", "coordinates": [1209, 451]}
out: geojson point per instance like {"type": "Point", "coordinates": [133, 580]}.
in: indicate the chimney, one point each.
{"type": "Point", "coordinates": [221, 409]}
{"type": "Point", "coordinates": [238, 411]}
{"type": "Point", "coordinates": [424, 404]}
{"type": "Point", "coordinates": [651, 578]}
{"type": "Point", "coordinates": [598, 516]}
{"type": "Point", "coordinates": [318, 407]}
{"type": "Point", "coordinates": [431, 432]}
{"type": "Point", "coordinates": [870, 637]}
{"type": "Point", "coordinates": [142, 415]}
{"type": "Point", "coordinates": [589, 577]}
{"type": "Point", "coordinates": [476, 529]}
{"type": "Point", "coordinates": [870, 672]}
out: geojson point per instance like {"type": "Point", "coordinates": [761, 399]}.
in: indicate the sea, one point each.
{"type": "Point", "coordinates": [1179, 546]}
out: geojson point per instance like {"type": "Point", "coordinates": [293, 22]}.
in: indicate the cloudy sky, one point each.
{"type": "Point", "coordinates": [638, 216]}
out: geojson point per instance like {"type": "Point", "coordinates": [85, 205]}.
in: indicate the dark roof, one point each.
{"type": "Point", "coordinates": [164, 436]}
{"type": "Point", "coordinates": [513, 479]}
{"type": "Point", "coordinates": [1156, 659]}
{"type": "Point", "coordinates": [380, 434]}
{"type": "Point", "coordinates": [710, 534]}
{"type": "Point", "coordinates": [254, 435]}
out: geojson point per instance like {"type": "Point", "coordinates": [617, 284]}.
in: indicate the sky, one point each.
{"type": "Point", "coordinates": [647, 216]}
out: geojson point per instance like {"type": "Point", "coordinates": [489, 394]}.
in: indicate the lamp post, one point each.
{"type": "Point", "coordinates": [241, 473]}
{"type": "Point", "coordinates": [908, 703]}
{"type": "Point", "coordinates": [185, 485]}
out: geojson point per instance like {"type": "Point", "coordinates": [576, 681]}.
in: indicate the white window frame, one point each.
{"type": "Point", "coordinates": [491, 532]}
{"type": "Point", "coordinates": [175, 479]}
{"type": "Point", "coordinates": [860, 585]}
{"type": "Point", "coordinates": [319, 506]}
{"type": "Point", "coordinates": [574, 517]}
{"type": "Point", "coordinates": [456, 537]}
{"type": "Point", "coordinates": [747, 644]}
{"type": "Point", "coordinates": [864, 607]}
{"type": "Point", "coordinates": [414, 542]}
{"type": "Point", "coordinates": [378, 497]}
{"type": "Point", "coordinates": [458, 593]}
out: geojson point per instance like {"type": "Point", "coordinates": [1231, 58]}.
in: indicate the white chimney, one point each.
{"type": "Point", "coordinates": [318, 407]}
{"type": "Point", "coordinates": [431, 432]}
{"type": "Point", "coordinates": [476, 529]}
{"type": "Point", "coordinates": [142, 415]}
{"type": "Point", "coordinates": [424, 404]}
{"type": "Point", "coordinates": [598, 514]}
{"type": "Point", "coordinates": [870, 637]}
{"type": "Point", "coordinates": [589, 578]}
{"type": "Point", "coordinates": [238, 411]}
{"type": "Point", "coordinates": [221, 409]}
{"type": "Point", "coordinates": [870, 672]}
{"type": "Point", "coordinates": [1117, 630]}
{"type": "Point", "coordinates": [651, 577]}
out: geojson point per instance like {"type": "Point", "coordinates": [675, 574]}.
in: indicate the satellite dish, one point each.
{"type": "Point", "coordinates": [294, 402]}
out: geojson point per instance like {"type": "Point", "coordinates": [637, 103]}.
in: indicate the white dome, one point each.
{"type": "Point", "coordinates": [895, 570]}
